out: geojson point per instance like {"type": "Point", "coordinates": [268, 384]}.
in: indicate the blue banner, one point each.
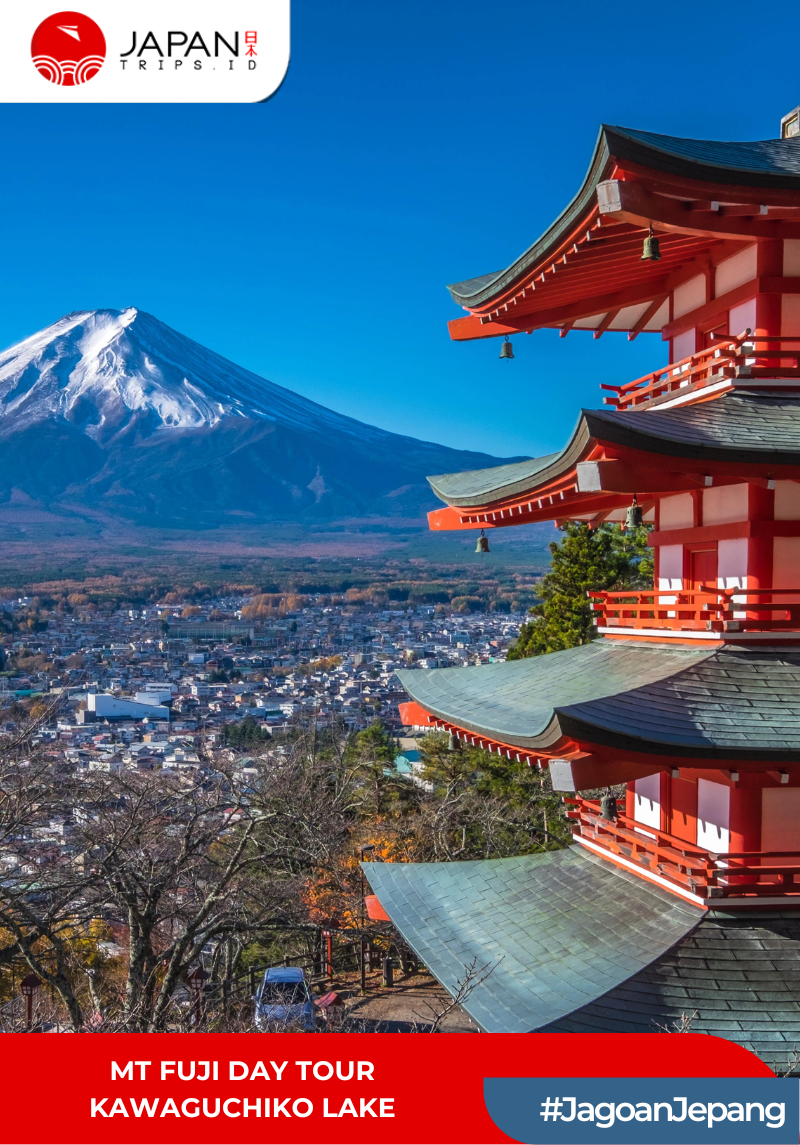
{"type": "Point", "coordinates": [645, 1111]}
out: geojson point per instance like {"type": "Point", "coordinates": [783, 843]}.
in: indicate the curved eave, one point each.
{"type": "Point", "coordinates": [539, 920]}
{"type": "Point", "coordinates": [477, 488]}
{"type": "Point", "coordinates": [475, 292]}
{"type": "Point", "coordinates": [735, 429]}
{"type": "Point", "coordinates": [524, 702]}
{"type": "Point", "coordinates": [592, 732]}
{"type": "Point", "coordinates": [772, 163]}
{"type": "Point", "coordinates": [645, 699]}
{"type": "Point", "coordinates": [661, 434]}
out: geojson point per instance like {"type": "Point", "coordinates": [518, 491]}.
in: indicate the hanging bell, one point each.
{"type": "Point", "coordinates": [505, 350]}
{"type": "Point", "coordinates": [651, 251]}
{"type": "Point", "coordinates": [483, 543]}
{"type": "Point", "coordinates": [633, 516]}
{"type": "Point", "coordinates": [608, 806]}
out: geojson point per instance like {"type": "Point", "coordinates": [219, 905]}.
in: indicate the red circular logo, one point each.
{"type": "Point", "coordinates": [68, 48]}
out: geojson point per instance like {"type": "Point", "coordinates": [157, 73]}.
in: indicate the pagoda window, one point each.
{"type": "Point", "coordinates": [780, 819]}
{"type": "Point", "coordinates": [688, 296]}
{"type": "Point", "coordinates": [786, 550]}
{"type": "Point", "coordinates": [791, 258]}
{"type": "Point", "coordinates": [647, 801]}
{"type": "Point", "coordinates": [787, 501]}
{"type": "Point", "coordinates": [725, 504]}
{"type": "Point", "coordinates": [790, 314]}
{"type": "Point", "coordinates": [736, 270]}
{"type": "Point", "coordinates": [676, 512]}
{"type": "Point", "coordinates": [683, 345]}
{"type": "Point", "coordinates": [713, 815]}
{"type": "Point", "coordinates": [742, 317]}
{"type": "Point", "coordinates": [670, 570]}
{"type": "Point", "coordinates": [732, 563]}
{"type": "Point", "coordinates": [790, 303]}
{"type": "Point", "coordinates": [785, 566]}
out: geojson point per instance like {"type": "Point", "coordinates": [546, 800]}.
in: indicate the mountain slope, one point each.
{"type": "Point", "coordinates": [116, 413]}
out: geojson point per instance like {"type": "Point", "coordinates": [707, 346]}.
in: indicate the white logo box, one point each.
{"type": "Point", "coordinates": [218, 62]}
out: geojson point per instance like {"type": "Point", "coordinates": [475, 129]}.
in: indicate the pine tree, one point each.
{"type": "Point", "coordinates": [370, 754]}
{"type": "Point", "coordinates": [586, 560]}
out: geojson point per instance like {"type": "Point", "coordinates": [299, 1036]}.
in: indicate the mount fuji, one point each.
{"type": "Point", "coordinates": [113, 413]}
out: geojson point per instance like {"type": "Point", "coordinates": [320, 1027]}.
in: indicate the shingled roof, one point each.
{"type": "Point", "coordinates": [558, 930]}
{"type": "Point", "coordinates": [735, 702]}
{"type": "Point", "coordinates": [767, 163]}
{"type": "Point", "coordinates": [740, 427]}
{"type": "Point", "coordinates": [575, 944]}
{"type": "Point", "coordinates": [736, 976]}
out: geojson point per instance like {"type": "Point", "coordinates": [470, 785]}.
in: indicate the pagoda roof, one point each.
{"type": "Point", "coordinates": [560, 929]}
{"type": "Point", "coordinates": [757, 163]}
{"type": "Point", "coordinates": [730, 970]}
{"type": "Point", "coordinates": [739, 427]}
{"type": "Point", "coordinates": [651, 698]}
{"type": "Point", "coordinates": [565, 926]}
{"type": "Point", "coordinates": [697, 193]}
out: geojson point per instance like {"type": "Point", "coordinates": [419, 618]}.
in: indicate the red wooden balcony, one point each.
{"type": "Point", "coordinates": [684, 866]}
{"type": "Point", "coordinates": [746, 356]}
{"type": "Point", "coordinates": [703, 609]}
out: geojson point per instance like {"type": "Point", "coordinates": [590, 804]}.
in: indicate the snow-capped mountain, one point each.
{"type": "Point", "coordinates": [115, 411]}
{"type": "Point", "coordinates": [103, 369]}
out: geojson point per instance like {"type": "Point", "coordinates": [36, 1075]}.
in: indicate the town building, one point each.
{"type": "Point", "coordinates": [680, 905]}
{"type": "Point", "coordinates": [110, 676]}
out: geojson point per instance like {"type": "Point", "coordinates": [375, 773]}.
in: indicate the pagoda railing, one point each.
{"type": "Point", "coordinates": [740, 874]}
{"type": "Point", "coordinates": [703, 609]}
{"type": "Point", "coordinates": [745, 356]}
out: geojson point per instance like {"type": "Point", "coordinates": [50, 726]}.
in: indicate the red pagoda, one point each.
{"type": "Point", "coordinates": [685, 904]}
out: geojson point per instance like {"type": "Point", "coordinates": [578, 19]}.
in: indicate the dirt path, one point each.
{"type": "Point", "coordinates": [411, 1004]}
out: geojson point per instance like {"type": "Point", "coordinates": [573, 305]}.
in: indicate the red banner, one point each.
{"type": "Point", "coordinates": [291, 1088]}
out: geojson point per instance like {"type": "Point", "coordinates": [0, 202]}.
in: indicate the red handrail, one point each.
{"type": "Point", "coordinates": [689, 867]}
{"type": "Point", "coordinates": [705, 608]}
{"type": "Point", "coordinates": [744, 355]}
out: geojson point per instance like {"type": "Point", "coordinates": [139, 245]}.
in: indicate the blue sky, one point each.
{"type": "Point", "coordinates": [310, 238]}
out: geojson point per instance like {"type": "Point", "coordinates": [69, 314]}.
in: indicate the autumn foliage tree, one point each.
{"type": "Point", "coordinates": [231, 859]}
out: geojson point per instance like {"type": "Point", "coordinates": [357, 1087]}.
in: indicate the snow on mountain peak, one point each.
{"type": "Point", "coordinates": [106, 370]}
{"type": "Point", "coordinates": [114, 411]}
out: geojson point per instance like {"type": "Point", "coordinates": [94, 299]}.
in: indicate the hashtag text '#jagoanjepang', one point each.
{"type": "Point", "coordinates": [605, 1113]}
